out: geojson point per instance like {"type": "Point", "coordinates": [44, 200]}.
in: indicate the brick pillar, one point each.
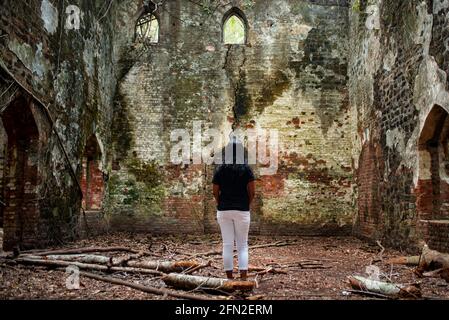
{"type": "Point", "coordinates": [369, 220]}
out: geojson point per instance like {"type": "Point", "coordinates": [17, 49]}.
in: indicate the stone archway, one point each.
{"type": "Point", "coordinates": [433, 183]}
{"type": "Point", "coordinates": [432, 191]}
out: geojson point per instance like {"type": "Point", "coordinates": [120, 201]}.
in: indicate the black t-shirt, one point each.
{"type": "Point", "coordinates": [233, 181]}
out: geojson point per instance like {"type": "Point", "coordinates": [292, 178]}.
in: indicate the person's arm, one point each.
{"type": "Point", "coordinates": [216, 192]}
{"type": "Point", "coordinates": [251, 191]}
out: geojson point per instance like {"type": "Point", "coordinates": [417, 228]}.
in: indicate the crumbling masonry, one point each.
{"type": "Point", "coordinates": [358, 91]}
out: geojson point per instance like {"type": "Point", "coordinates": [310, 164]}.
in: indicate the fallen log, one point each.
{"type": "Point", "coordinates": [79, 250]}
{"type": "Point", "coordinates": [370, 294]}
{"type": "Point", "coordinates": [304, 265]}
{"type": "Point", "coordinates": [268, 270]}
{"type": "Point", "coordinates": [201, 266]}
{"type": "Point", "coordinates": [410, 261]}
{"type": "Point", "coordinates": [384, 288]}
{"type": "Point", "coordinates": [313, 266]}
{"type": "Point", "coordinates": [432, 260]}
{"type": "Point", "coordinates": [433, 274]}
{"type": "Point", "coordinates": [253, 268]}
{"type": "Point", "coordinates": [164, 266]}
{"type": "Point", "coordinates": [147, 289]}
{"type": "Point", "coordinates": [83, 258]}
{"type": "Point", "coordinates": [85, 266]}
{"type": "Point", "coordinates": [189, 282]}
{"type": "Point", "coordinates": [122, 261]}
{"type": "Point", "coordinates": [429, 260]}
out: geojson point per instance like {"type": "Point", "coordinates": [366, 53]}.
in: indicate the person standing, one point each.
{"type": "Point", "coordinates": [234, 191]}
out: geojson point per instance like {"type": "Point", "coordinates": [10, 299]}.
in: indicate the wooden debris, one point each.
{"type": "Point", "coordinates": [122, 261]}
{"type": "Point", "coordinates": [270, 270]}
{"type": "Point", "coordinates": [80, 250]}
{"type": "Point", "coordinates": [305, 264]}
{"type": "Point", "coordinates": [432, 260]}
{"type": "Point", "coordinates": [410, 261]}
{"type": "Point", "coordinates": [384, 288]}
{"type": "Point", "coordinates": [85, 266]}
{"type": "Point", "coordinates": [158, 291]}
{"type": "Point", "coordinates": [382, 250]}
{"type": "Point", "coordinates": [430, 263]}
{"type": "Point", "coordinates": [192, 270]}
{"type": "Point", "coordinates": [164, 266]}
{"type": "Point", "coordinates": [84, 258]}
{"type": "Point", "coordinates": [433, 274]}
{"type": "Point", "coordinates": [265, 245]}
{"type": "Point", "coordinates": [370, 294]}
{"type": "Point", "coordinates": [189, 282]}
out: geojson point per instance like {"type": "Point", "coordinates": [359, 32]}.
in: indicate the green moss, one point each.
{"type": "Point", "coordinates": [147, 173]}
{"type": "Point", "coordinates": [113, 183]}
{"type": "Point", "coordinates": [121, 128]}
{"type": "Point", "coordinates": [304, 10]}
{"type": "Point", "coordinates": [248, 4]}
{"type": "Point", "coordinates": [356, 6]}
{"type": "Point", "coordinates": [139, 190]}
{"type": "Point", "coordinates": [243, 100]}
{"type": "Point", "coordinates": [186, 94]}
{"type": "Point", "coordinates": [131, 193]}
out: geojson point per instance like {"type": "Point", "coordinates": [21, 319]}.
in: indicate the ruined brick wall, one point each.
{"type": "Point", "coordinates": [398, 75]}
{"type": "Point", "coordinates": [290, 76]}
{"type": "Point", "coordinates": [73, 72]}
{"type": "Point", "coordinates": [3, 140]}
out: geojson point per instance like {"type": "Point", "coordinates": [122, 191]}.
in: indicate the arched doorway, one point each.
{"type": "Point", "coordinates": [92, 180]}
{"type": "Point", "coordinates": [20, 174]}
{"type": "Point", "coordinates": [433, 183]}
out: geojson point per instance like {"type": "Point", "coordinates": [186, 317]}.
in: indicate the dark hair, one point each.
{"type": "Point", "coordinates": [239, 162]}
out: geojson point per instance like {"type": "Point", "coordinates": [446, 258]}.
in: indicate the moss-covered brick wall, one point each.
{"type": "Point", "coordinates": [398, 66]}
{"type": "Point", "coordinates": [290, 76]}
{"type": "Point", "coordinates": [73, 73]}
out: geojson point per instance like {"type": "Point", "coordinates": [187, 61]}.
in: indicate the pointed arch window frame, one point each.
{"type": "Point", "coordinates": [235, 11]}
{"type": "Point", "coordinates": [155, 18]}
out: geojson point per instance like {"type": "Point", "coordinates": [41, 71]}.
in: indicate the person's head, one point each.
{"type": "Point", "coordinates": [234, 153]}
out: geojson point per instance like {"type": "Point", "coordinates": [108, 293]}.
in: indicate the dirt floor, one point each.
{"type": "Point", "coordinates": [336, 258]}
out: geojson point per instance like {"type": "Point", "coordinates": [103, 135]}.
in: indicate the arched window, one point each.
{"type": "Point", "coordinates": [234, 27]}
{"type": "Point", "coordinates": [147, 28]}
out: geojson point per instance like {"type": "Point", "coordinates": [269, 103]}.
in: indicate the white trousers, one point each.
{"type": "Point", "coordinates": [234, 225]}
